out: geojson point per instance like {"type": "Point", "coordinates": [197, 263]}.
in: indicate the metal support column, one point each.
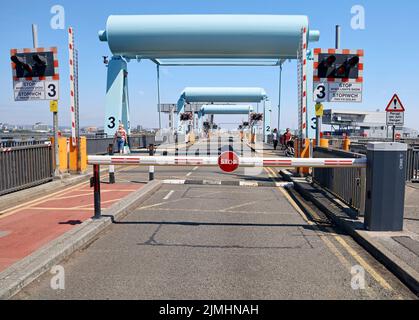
{"type": "Point", "coordinates": [96, 186]}
{"type": "Point", "coordinates": [158, 95]}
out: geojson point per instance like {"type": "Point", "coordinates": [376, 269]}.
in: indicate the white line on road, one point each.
{"type": "Point", "coordinates": [169, 195]}
{"type": "Point", "coordinates": [189, 174]}
{"type": "Point", "coordinates": [196, 168]}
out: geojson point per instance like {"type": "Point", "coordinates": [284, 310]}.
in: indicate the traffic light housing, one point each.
{"type": "Point", "coordinates": [256, 116]}
{"type": "Point", "coordinates": [187, 116]}
{"type": "Point", "coordinates": [338, 64]}
{"type": "Point", "coordinates": [33, 63]}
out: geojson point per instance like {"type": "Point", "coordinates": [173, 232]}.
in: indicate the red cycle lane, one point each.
{"type": "Point", "coordinates": [27, 227]}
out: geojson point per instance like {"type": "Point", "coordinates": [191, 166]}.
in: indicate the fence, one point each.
{"type": "Point", "coordinates": [100, 145]}
{"type": "Point", "coordinates": [412, 165]}
{"type": "Point", "coordinates": [14, 143]}
{"type": "Point", "coordinates": [25, 167]}
{"type": "Point", "coordinates": [348, 184]}
{"type": "Point", "coordinates": [412, 168]}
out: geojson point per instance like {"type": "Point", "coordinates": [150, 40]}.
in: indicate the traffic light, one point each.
{"type": "Point", "coordinates": [338, 64]}
{"type": "Point", "coordinates": [34, 64]}
{"type": "Point", "coordinates": [22, 68]}
{"type": "Point", "coordinates": [187, 116]}
{"type": "Point", "coordinates": [39, 66]}
{"type": "Point", "coordinates": [256, 116]}
{"type": "Point", "coordinates": [245, 124]}
{"type": "Point", "coordinates": [344, 70]}
{"type": "Point", "coordinates": [326, 66]}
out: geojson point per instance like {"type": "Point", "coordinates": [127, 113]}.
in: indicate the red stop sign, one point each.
{"type": "Point", "coordinates": [228, 161]}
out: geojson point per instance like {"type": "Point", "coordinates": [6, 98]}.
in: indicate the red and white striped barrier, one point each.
{"type": "Point", "coordinates": [214, 162]}
{"type": "Point", "coordinates": [72, 86]}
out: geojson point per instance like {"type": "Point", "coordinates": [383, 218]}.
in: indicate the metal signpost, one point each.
{"type": "Point", "coordinates": [319, 121]}
{"type": "Point", "coordinates": [395, 114]}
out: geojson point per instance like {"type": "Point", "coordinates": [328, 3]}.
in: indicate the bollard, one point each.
{"type": "Point", "coordinates": [324, 143]}
{"type": "Point", "coordinates": [111, 167]}
{"type": "Point", "coordinates": [96, 185]}
{"type": "Point", "coordinates": [346, 145]}
{"type": "Point", "coordinates": [151, 168]}
{"type": "Point", "coordinates": [386, 170]}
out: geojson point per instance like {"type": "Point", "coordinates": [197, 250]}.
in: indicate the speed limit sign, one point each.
{"type": "Point", "coordinates": [321, 92]}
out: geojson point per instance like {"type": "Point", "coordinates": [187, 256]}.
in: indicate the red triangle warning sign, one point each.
{"type": "Point", "coordinates": [395, 105]}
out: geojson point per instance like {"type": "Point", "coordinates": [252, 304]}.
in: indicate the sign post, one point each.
{"type": "Point", "coordinates": [319, 121]}
{"type": "Point", "coordinates": [36, 78]}
{"type": "Point", "coordinates": [395, 114]}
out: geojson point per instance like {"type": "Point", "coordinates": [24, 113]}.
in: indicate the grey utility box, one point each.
{"type": "Point", "coordinates": [386, 182]}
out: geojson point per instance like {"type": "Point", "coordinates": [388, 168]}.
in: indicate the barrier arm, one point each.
{"type": "Point", "coordinates": [243, 162]}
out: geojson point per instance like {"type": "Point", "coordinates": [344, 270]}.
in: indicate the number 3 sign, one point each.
{"type": "Point", "coordinates": [321, 91]}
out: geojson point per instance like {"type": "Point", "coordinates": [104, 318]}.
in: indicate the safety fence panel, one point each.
{"type": "Point", "coordinates": [412, 173]}
{"type": "Point", "coordinates": [25, 167]}
{"type": "Point", "coordinates": [348, 184]}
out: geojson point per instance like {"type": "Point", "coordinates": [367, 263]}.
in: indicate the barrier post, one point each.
{"type": "Point", "coordinates": [386, 170]}
{"type": "Point", "coordinates": [111, 167]}
{"type": "Point", "coordinates": [346, 145]}
{"type": "Point", "coordinates": [96, 186]}
{"type": "Point", "coordinates": [151, 168]}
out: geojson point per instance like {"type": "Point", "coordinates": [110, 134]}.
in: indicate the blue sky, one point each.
{"type": "Point", "coordinates": [389, 40]}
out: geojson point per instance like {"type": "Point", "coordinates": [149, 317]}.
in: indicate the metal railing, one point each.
{"type": "Point", "coordinates": [100, 145]}
{"type": "Point", "coordinates": [348, 184]}
{"type": "Point", "coordinates": [412, 173]}
{"type": "Point", "coordinates": [25, 167]}
{"type": "Point", "coordinates": [14, 143]}
{"type": "Point", "coordinates": [412, 168]}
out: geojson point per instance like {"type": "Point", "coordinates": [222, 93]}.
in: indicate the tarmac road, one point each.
{"type": "Point", "coordinates": [220, 242]}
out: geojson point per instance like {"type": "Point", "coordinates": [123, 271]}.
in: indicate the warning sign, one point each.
{"type": "Point", "coordinates": [395, 112]}
{"type": "Point", "coordinates": [337, 92]}
{"type": "Point", "coordinates": [395, 119]}
{"type": "Point", "coordinates": [25, 90]}
{"type": "Point", "coordinates": [395, 105]}
{"type": "Point", "coordinates": [345, 92]}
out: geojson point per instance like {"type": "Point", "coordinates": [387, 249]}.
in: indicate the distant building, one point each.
{"type": "Point", "coordinates": [362, 124]}
{"type": "Point", "coordinates": [91, 129]}
{"type": "Point", "coordinates": [40, 127]}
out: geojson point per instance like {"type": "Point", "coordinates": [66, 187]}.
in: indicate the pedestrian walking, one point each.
{"type": "Point", "coordinates": [120, 138]}
{"type": "Point", "coordinates": [275, 138]}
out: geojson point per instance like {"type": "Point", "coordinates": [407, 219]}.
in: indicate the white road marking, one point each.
{"type": "Point", "coordinates": [189, 174]}
{"type": "Point", "coordinates": [196, 168]}
{"type": "Point", "coordinates": [169, 195]}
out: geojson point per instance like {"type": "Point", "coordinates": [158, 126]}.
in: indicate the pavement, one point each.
{"type": "Point", "coordinates": [219, 242]}
{"type": "Point", "coordinates": [398, 251]}
{"type": "Point", "coordinates": [31, 224]}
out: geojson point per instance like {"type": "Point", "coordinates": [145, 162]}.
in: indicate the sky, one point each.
{"type": "Point", "coordinates": [389, 40]}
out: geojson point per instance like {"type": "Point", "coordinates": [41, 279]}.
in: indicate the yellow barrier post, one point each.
{"type": "Point", "coordinates": [324, 143]}
{"type": "Point", "coordinates": [346, 145]}
{"type": "Point", "coordinates": [63, 150]}
{"type": "Point", "coordinates": [73, 165]}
